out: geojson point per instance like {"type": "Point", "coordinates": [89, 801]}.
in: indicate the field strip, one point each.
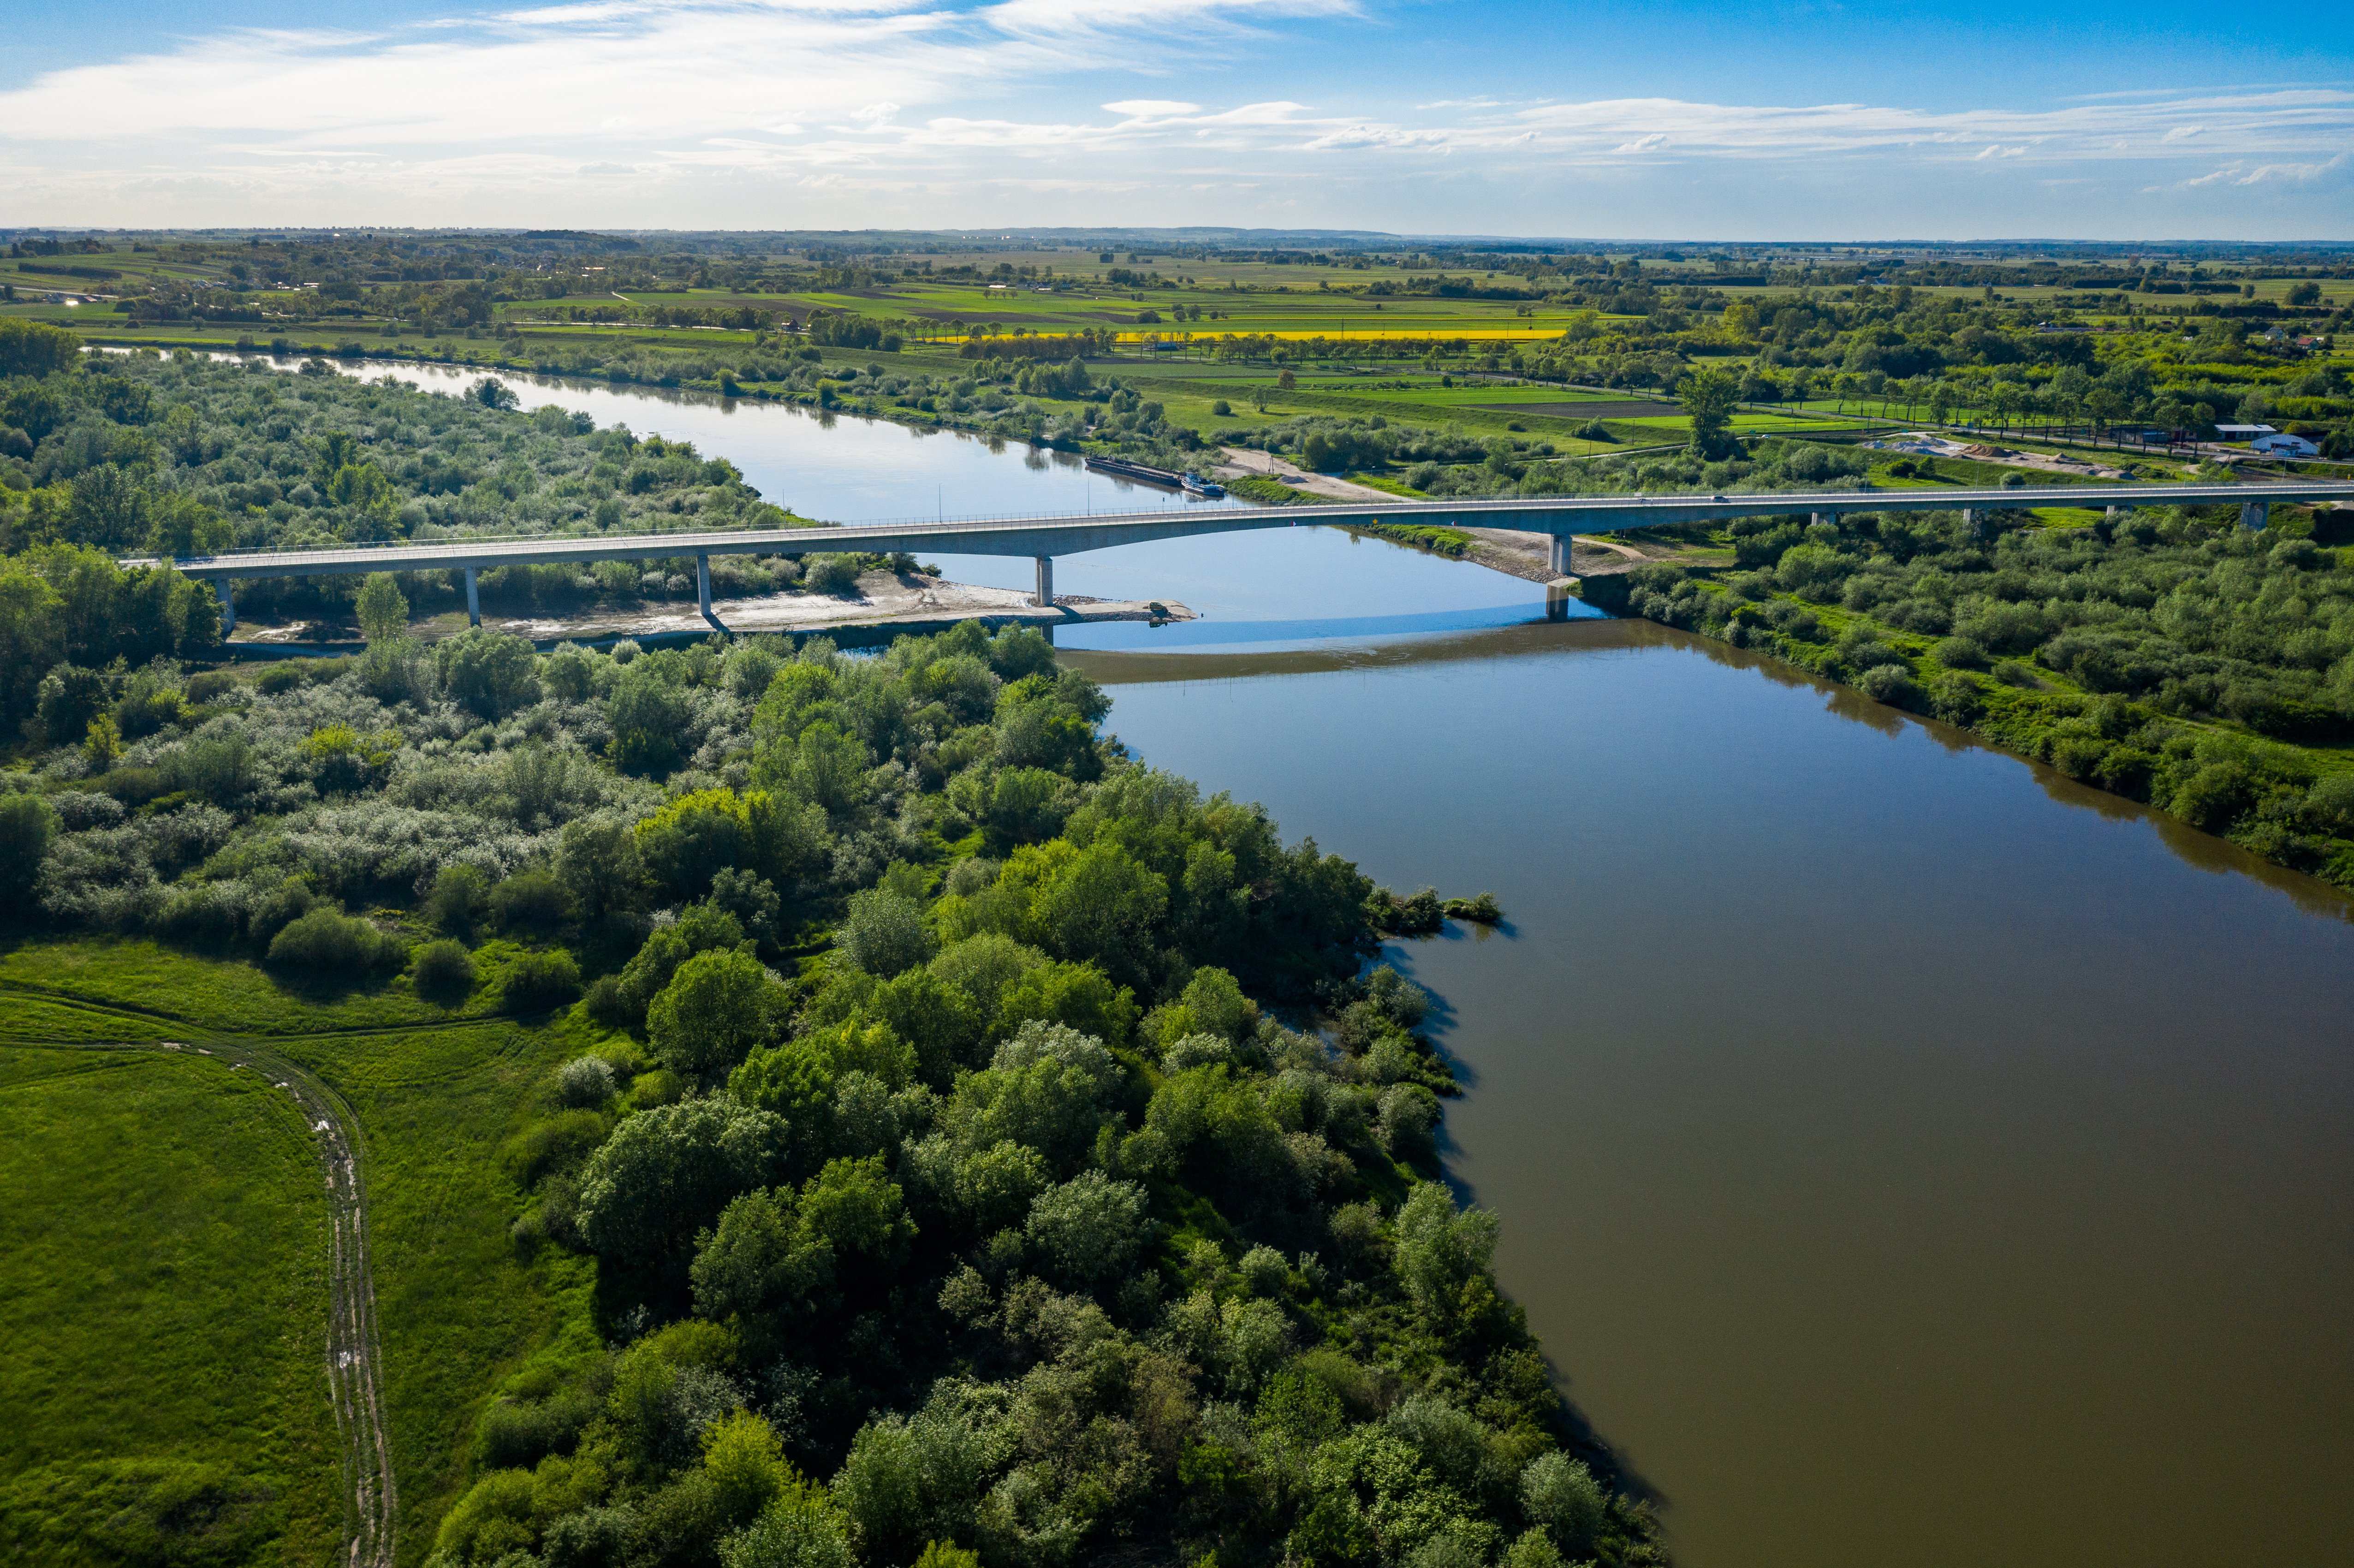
{"type": "Point", "coordinates": [354, 1347]}
{"type": "Point", "coordinates": [66, 996]}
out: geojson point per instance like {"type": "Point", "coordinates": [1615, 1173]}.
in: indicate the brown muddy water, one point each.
{"type": "Point", "coordinates": [1908, 1157]}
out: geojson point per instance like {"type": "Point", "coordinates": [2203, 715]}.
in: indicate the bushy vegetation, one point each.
{"type": "Point", "coordinates": [141, 454]}
{"type": "Point", "coordinates": [2173, 656]}
{"type": "Point", "coordinates": [950, 1157]}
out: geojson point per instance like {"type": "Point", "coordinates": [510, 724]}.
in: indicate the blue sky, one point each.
{"type": "Point", "coordinates": [1669, 120]}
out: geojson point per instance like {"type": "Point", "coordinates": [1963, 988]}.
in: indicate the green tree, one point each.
{"type": "Point", "coordinates": [796, 1531]}
{"type": "Point", "coordinates": [1561, 1495]}
{"type": "Point", "coordinates": [488, 672]}
{"type": "Point", "coordinates": [1088, 1228]}
{"type": "Point", "coordinates": [761, 1261]}
{"type": "Point", "coordinates": [746, 1462]}
{"type": "Point", "coordinates": [912, 1481]}
{"type": "Point", "coordinates": [110, 508]}
{"type": "Point", "coordinates": [689, 841]}
{"type": "Point", "coordinates": [1440, 1251]}
{"type": "Point", "coordinates": [32, 638]}
{"type": "Point", "coordinates": [597, 861]}
{"type": "Point", "coordinates": [717, 1006]}
{"type": "Point", "coordinates": [383, 612]}
{"type": "Point", "coordinates": [35, 348]}
{"type": "Point", "coordinates": [648, 713]}
{"type": "Point", "coordinates": [1708, 398]}
{"type": "Point", "coordinates": [667, 1172]}
{"type": "Point", "coordinates": [884, 933]}
{"type": "Point", "coordinates": [27, 827]}
{"type": "Point", "coordinates": [364, 488]}
{"type": "Point", "coordinates": [181, 526]}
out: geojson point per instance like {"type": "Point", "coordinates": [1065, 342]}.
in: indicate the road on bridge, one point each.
{"type": "Point", "coordinates": [1044, 537]}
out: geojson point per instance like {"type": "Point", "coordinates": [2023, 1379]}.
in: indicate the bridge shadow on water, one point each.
{"type": "Point", "coordinates": [1132, 636]}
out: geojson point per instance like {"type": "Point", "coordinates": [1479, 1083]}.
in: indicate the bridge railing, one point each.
{"type": "Point", "coordinates": [450, 551]}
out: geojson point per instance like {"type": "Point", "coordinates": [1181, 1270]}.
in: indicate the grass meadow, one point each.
{"type": "Point", "coordinates": [164, 1221]}
{"type": "Point", "coordinates": [161, 1313]}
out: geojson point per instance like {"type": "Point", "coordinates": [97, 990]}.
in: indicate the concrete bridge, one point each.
{"type": "Point", "coordinates": [1045, 537]}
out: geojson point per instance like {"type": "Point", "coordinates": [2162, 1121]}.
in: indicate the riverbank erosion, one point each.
{"type": "Point", "coordinates": [2172, 657]}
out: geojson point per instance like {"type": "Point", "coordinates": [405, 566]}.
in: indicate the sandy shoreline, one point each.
{"type": "Point", "coordinates": [883, 599]}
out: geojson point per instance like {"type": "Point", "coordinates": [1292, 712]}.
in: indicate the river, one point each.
{"type": "Point", "coordinates": [1908, 1156]}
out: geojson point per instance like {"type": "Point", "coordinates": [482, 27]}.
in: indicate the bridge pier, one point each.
{"type": "Point", "coordinates": [703, 594]}
{"type": "Point", "coordinates": [1557, 547]}
{"type": "Point", "coordinates": [1045, 598]}
{"type": "Point", "coordinates": [473, 601]}
{"type": "Point", "coordinates": [228, 608]}
{"type": "Point", "coordinates": [2254, 514]}
{"type": "Point", "coordinates": [1829, 518]}
{"type": "Point", "coordinates": [1974, 519]}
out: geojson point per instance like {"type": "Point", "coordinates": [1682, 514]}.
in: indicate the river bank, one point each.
{"type": "Point", "coordinates": [2285, 801]}
{"type": "Point", "coordinates": [881, 603]}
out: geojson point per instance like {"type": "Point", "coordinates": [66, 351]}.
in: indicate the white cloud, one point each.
{"type": "Point", "coordinates": [2291, 174]}
{"type": "Point", "coordinates": [814, 113]}
{"type": "Point", "coordinates": [2298, 118]}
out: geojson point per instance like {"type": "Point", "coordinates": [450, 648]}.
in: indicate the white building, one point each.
{"type": "Point", "coordinates": [2280, 444]}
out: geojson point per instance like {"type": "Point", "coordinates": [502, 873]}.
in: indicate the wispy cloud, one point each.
{"type": "Point", "coordinates": [771, 112]}
{"type": "Point", "coordinates": [2270, 174]}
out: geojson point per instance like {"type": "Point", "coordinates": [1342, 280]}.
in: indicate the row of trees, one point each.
{"type": "Point", "coordinates": [2175, 657]}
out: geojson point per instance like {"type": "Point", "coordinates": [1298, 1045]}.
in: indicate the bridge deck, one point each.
{"type": "Point", "coordinates": [1049, 537]}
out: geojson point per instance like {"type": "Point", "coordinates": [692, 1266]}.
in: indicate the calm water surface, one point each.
{"type": "Point", "coordinates": [1908, 1156]}
{"type": "Point", "coordinates": [1905, 1158]}
{"type": "Point", "coordinates": [1279, 586]}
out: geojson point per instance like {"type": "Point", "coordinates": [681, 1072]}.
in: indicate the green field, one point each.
{"type": "Point", "coordinates": [1370, 329]}
{"type": "Point", "coordinates": [166, 1231]}
{"type": "Point", "coordinates": [161, 1313]}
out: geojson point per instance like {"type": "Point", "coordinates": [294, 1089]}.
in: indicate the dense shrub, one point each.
{"type": "Point", "coordinates": [539, 979]}
{"type": "Point", "coordinates": [530, 900]}
{"type": "Point", "coordinates": [327, 944]}
{"type": "Point", "coordinates": [28, 824]}
{"type": "Point", "coordinates": [585, 1082]}
{"type": "Point", "coordinates": [443, 971]}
